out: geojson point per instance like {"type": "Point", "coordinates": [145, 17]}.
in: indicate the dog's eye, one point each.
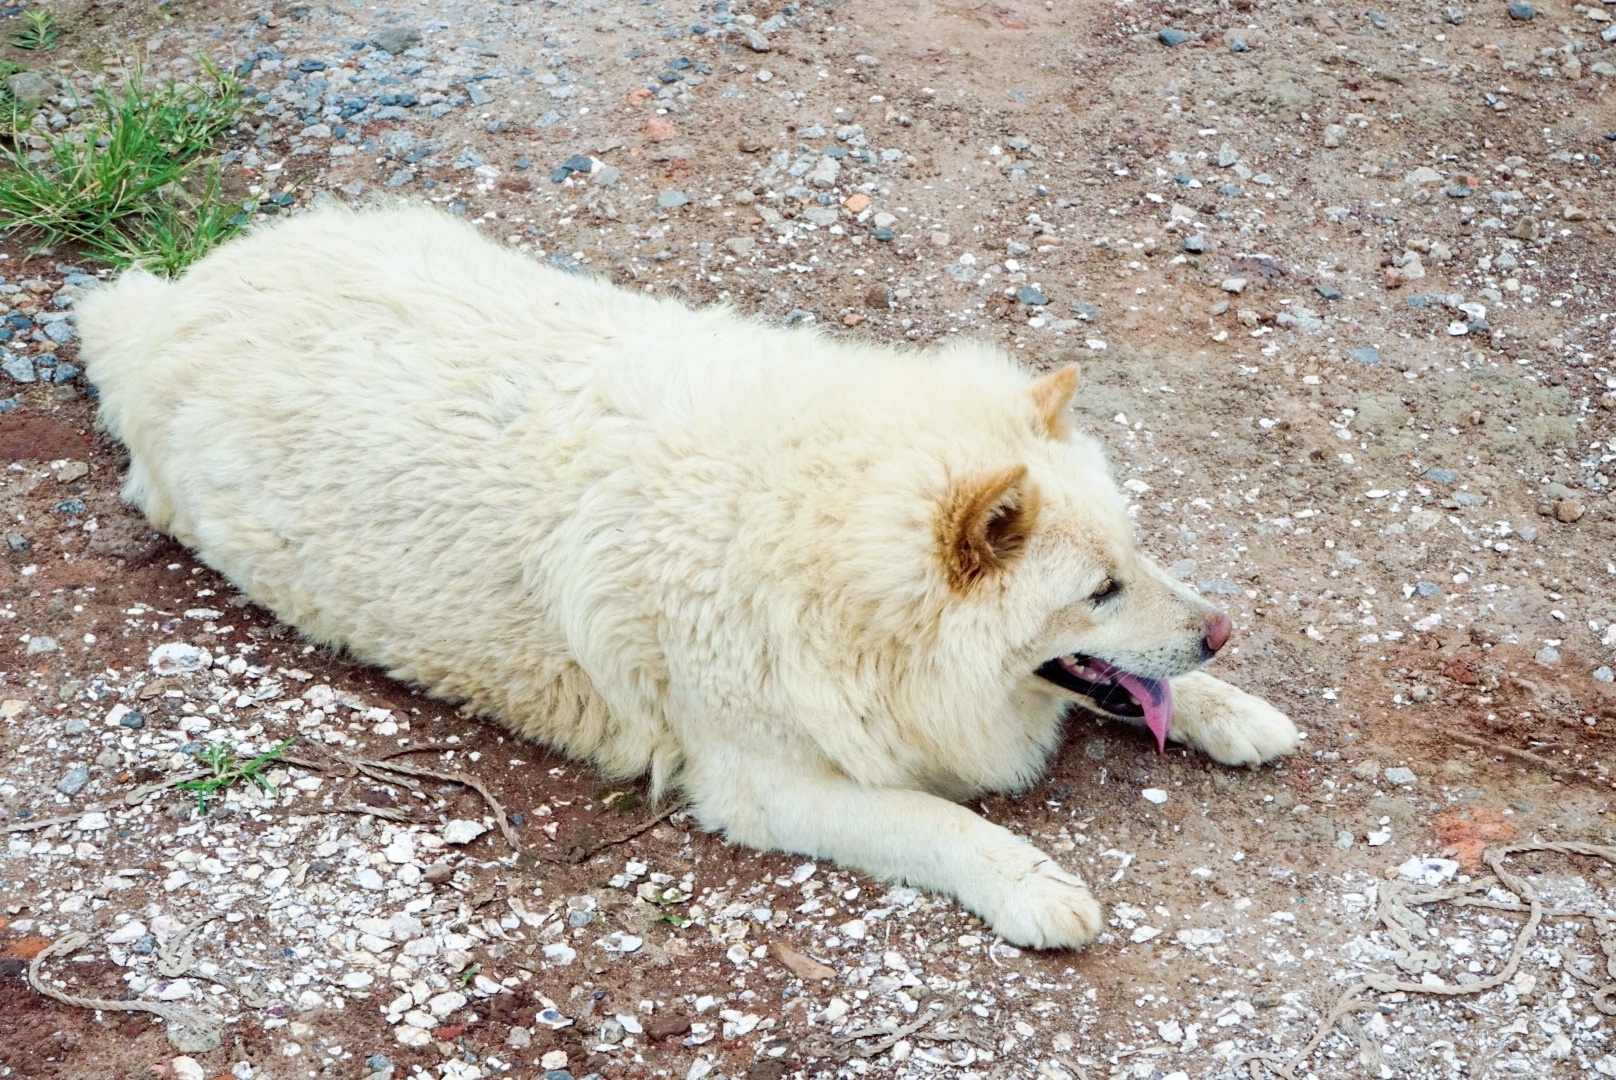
{"type": "Point", "coordinates": [1108, 588]}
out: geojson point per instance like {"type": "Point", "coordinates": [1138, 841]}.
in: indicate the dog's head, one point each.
{"type": "Point", "coordinates": [1043, 540]}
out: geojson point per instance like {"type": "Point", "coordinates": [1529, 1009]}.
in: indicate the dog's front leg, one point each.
{"type": "Point", "coordinates": [1227, 724]}
{"type": "Point", "coordinates": [900, 835]}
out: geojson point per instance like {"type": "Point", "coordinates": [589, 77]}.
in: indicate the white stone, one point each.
{"type": "Point", "coordinates": [178, 990]}
{"type": "Point", "coordinates": [127, 934]}
{"type": "Point", "coordinates": [185, 1068]}
{"type": "Point", "coordinates": [1143, 934]}
{"type": "Point", "coordinates": [855, 929]}
{"type": "Point", "coordinates": [178, 656]}
{"type": "Point", "coordinates": [358, 980]}
{"type": "Point", "coordinates": [446, 1003]}
{"type": "Point", "coordinates": [461, 831]}
{"type": "Point", "coordinates": [1154, 795]}
{"type": "Point", "coordinates": [560, 953]}
{"type": "Point", "coordinates": [1196, 938]}
{"type": "Point", "coordinates": [412, 1036]}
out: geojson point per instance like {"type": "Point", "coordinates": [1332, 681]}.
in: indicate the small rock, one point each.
{"type": "Point", "coordinates": [520, 1038]}
{"type": "Point", "coordinates": [755, 40]}
{"type": "Point", "coordinates": [1235, 285]}
{"type": "Point", "coordinates": [1031, 294]}
{"type": "Point", "coordinates": [1154, 795]}
{"type": "Point", "coordinates": [1521, 11]}
{"type": "Point", "coordinates": [1227, 157]}
{"type": "Point", "coordinates": [74, 781]}
{"type": "Point", "coordinates": [1423, 175]}
{"type": "Point", "coordinates": [20, 368]}
{"type": "Point", "coordinates": [446, 1003]}
{"type": "Point", "coordinates": [1604, 674]}
{"type": "Point", "coordinates": [461, 831]}
{"type": "Point", "coordinates": [438, 874]}
{"type": "Point", "coordinates": [29, 88]}
{"type": "Point", "coordinates": [1334, 135]}
{"type": "Point", "coordinates": [1195, 243]}
{"type": "Point", "coordinates": [1431, 872]}
{"type": "Point", "coordinates": [1367, 355]}
{"type": "Point", "coordinates": [1171, 37]}
{"type": "Point", "coordinates": [1568, 511]}
{"type": "Point", "coordinates": [1399, 775]}
{"type": "Point", "coordinates": [178, 656]}
{"type": "Point", "coordinates": [195, 1040]}
{"type": "Point", "coordinates": [396, 39]}
{"type": "Point", "coordinates": [1329, 292]}
{"type": "Point", "coordinates": [39, 643]}
{"type": "Point", "coordinates": [554, 1059]}
{"type": "Point", "coordinates": [670, 199]}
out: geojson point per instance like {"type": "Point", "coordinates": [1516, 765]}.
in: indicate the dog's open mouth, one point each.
{"type": "Point", "coordinates": [1115, 691]}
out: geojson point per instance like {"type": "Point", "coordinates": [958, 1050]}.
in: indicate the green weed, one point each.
{"type": "Point", "coordinates": [39, 32]}
{"type": "Point", "coordinates": [229, 770]}
{"type": "Point", "coordinates": [132, 183]}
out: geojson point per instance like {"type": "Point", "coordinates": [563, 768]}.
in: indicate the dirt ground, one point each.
{"type": "Point", "coordinates": [1256, 241]}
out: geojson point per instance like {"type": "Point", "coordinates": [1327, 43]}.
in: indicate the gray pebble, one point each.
{"type": "Point", "coordinates": [41, 644]}
{"type": "Point", "coordinates": [400, 178]}
{"type": "Point", "coordinates": [1521, 11]}
{"type": "Point", "coordinates": [29, 88]}
{"type": "Point", "coordinates": [1195, 243]}
{"type": "Point", "coordinates": [1031, 294]}
{"type": "Point", "coordinates": [1236, 285]}
{"type": "Point", "coordinates": [1329, 292]}
{"type": "Point", "coordinates": [478, 95]}
{"type": "Point", "coordinates": [19, 367]}
{"type": "Point", "coordinates": [395, 39]}
{"type": "Point", "coordinates": [1604, 674]}
{"type": "Point", "coordinates": [755, 40]}
{"type": "Point", "coordinates": [671, 199]}
{"type": "Point", "coordinates": [1400, 775]}
{"type": "Point", "coordinates": [1171, 37]}
{"type": "Point", "coordinates": [77, 726]}
{"type": "Point", "coordinates": [1441, 476]}
{"type": "Point", "coordinates": [1548, 655]}
{"type": "Point", "coordinates": [1377, 19]}
{"type": "Point", "coordinates": [1227, 157]}
{"type": "Point", "coordinates": [1367, 355]}
{"type": "Point", "coordinates": [74, 781]}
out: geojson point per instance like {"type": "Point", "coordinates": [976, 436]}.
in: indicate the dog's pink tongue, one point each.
{"type": "Point", "coordinates": [1156, 698]}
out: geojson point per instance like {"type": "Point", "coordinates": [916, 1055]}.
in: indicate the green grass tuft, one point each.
{"type": "Point", "coordinates": [39, 32]}
{"type": "Point", "coordinates": [229, 770]}
{"type": "Point", "coordinates": [133, 184]}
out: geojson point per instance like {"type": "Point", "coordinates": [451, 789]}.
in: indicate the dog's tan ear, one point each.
{"type": "Point", "coordinates": [1052, 395]}
{"type": "Point", "coordinates": [984, 523]}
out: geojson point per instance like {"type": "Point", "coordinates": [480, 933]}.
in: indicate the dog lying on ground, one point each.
{"type": "Point", "coordinates": [823, 588]}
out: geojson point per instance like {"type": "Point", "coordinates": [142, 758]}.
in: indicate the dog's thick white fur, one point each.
{"type": "Point", "coordinates": [806, 581]}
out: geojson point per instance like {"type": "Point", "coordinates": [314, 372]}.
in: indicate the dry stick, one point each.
{"type": "Point", "coordinates": [130, 799]}
{"type": "Point", "coordinates": [1530, 758]}
{"type": "Point", "coordinates": [888, 1038]}
{"type": "Point", "coordinates": [578, 858]}
{"type": "Point", "coordinates": [68, 943]}
{"type": "Point", "coordinates": [1394, 913]}
{"type": "Point", "coordinates": [464, 779]}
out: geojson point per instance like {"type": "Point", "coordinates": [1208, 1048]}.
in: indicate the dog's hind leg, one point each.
{"type": "Point", "coordinates": [900, 835]}
{"type": "Point", "coordinates": [1227, 724]}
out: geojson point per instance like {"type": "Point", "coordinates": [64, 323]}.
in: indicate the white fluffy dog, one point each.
{"type": "Point", "coordinates": [822, 587]}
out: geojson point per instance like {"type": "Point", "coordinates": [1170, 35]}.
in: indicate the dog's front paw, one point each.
{"type": "Point", "coordinates": [1046, 908]}
{"type": "Point", "coordinates": [1227, 724]}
